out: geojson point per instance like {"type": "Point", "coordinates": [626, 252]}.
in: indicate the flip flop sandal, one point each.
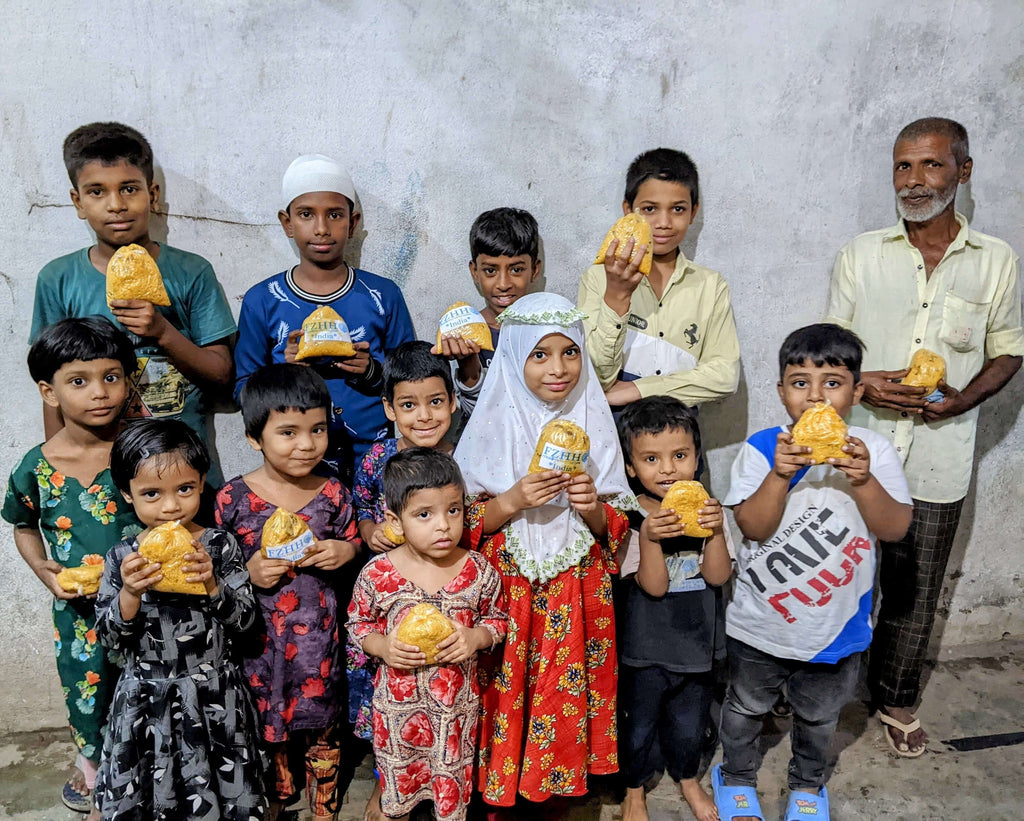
{"type": "Point", "coordinates": [75, 800]}
{"type": "Point", "coordinates": [888, 721]}
{"type": "Point", "coordinates": [803, 805]}
{"type": "Point", "coordinates": [734, 802]}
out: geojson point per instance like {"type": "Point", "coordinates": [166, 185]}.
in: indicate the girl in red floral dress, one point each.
{"type": "Point", "coordinates": [548, 713]}
{"type": "Point", "coordinates": [295, 669]}
{"type": "Point", "coordinates": [425, 710]}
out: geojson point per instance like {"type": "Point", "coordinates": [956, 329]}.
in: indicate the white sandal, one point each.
{"type": "Point", "coordinates": [888, 721]}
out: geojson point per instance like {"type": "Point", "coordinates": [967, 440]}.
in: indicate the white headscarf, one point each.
{"type": "Point", "coordinates": [496, 448]}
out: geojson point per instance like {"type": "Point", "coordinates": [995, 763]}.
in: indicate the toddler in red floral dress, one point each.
{"type": "Point", "coordinates": [425, 712]}
{"type": "Point", "coordinates": [294, 666]}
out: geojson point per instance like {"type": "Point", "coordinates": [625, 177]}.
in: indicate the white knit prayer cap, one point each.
{"type": "Point", "coordinates": [315, 172]}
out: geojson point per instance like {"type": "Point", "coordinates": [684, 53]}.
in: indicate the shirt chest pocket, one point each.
{"type": "Point", "coordinates": [963, 322]}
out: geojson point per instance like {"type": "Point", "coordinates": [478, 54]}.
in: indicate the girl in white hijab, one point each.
{"type": "Point", "coordinates": [548, 707]}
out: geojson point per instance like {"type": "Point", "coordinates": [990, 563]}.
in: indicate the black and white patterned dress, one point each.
{"type": "Point", "coordinates": [182, 739]}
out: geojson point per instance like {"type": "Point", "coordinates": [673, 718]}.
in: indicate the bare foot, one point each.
{"type": "Point", "coordinates": [701, 804]}
{"type": "Point", "coordinates": [914, 741]}
{"type": "Point", "coordinates": [77, 780]}
{"type": "Point", "coordinates": [373, 812]}
{"type": "Point", "coordinates": [94, 815]}
{"type": "Point", "coordinates": [634, 807]}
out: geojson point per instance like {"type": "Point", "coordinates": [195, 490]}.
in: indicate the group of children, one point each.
{"type": "Point", "coordinates": [227, 705]}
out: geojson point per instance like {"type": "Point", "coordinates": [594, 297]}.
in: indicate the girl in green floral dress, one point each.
{"type": "Point", "coordinates": [61, 492]}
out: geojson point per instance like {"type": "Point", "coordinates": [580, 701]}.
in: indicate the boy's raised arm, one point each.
{"type": "Point", "coordinates": [210, 364]}
{"type": "Point", "coordinates": [605, 330]}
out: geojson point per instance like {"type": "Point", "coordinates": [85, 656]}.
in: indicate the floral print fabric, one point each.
{"type": "Point", "coordinates": [368, 485]}
{"type": "Point", "coordinates": [548, 709]}
{"type": "Point", "coordinates": [75, 521]}
{"type": "Point", "coordinates": [368, 494]}
{"type": "Point", "coordinates": [293, 664]}
{"type": "Point", "coordinates": [425, 720]}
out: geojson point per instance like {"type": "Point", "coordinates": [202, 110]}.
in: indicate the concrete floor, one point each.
{"type": "Point", "coordinates": [980, 693]}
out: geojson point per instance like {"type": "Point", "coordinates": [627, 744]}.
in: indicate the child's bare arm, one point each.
{"type": "Point", "coordinates": [622, 274]}
{"type": "Point", "coordinates": [466, 353]}
{"type": "Point", "coordinates": [533, 490]}
{"type": "Point", "coordinates": [138, 574]}
{"type": "Point", "coordinates": [583, 497]}
{"type": "Point", "coordinates": [652, 574]}
{"type": "Point", "coordinates": [29, 542]}
{"type": "Point", "coordinates": [716, 566]}
{"type": "Point", "coordinates": [759, 515]}
{"type": "Point", "coordinates": [209, 364]}
{"type": "Point", "coordinates": [883, 515]}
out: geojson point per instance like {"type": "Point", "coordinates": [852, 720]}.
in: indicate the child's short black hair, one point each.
{"type": "Point", "coordinates": [107, 143]}
{"type": "Point", "coordinates": [505, 232]}
{"type": "Point", "coordinates": [281, 387]}
{"type": "Point", "coordinates": [413, 362]}
{"type": "Point", "coordinates": [82, 338]}
{"type": "Point", "coordinates": [662, 164]}
{"type": "Point", "coordinates": [823, 344]}
{"type": "Point", "coordinates": [148, 438]}
{"type": "Point", "coordinates": [418, 469]}
{"type": "Point", "coordinates": [654, 414]}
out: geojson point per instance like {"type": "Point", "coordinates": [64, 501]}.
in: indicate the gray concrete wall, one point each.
{"type": "Point", "coordinates": [444, 109]}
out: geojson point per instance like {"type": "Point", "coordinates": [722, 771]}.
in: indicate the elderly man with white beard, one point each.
{"type": "Point", "coordinates": [929, 282]}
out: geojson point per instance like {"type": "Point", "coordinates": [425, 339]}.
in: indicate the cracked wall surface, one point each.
{"type": "Point", "coordinates": [444, 109]}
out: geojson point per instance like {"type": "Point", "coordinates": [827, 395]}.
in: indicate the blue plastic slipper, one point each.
{"type": "Point", "coordinates": [807, 805]}
{"type": "Point", "coordinates": [734, 802]}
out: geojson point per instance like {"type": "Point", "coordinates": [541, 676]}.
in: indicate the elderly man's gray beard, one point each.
{"type": "Point", "coordinates": [927, 210]}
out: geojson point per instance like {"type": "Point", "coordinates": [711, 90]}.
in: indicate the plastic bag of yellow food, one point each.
{"type": "Point", "coordinates": [631, 226]}
{"type": "Point", "coordinates": [823, 430]}
{"type": "Point", "coordinates": [168, 544]}
{"type": "Point", "coordinates": [132, 274]}
{"type": "Point", "coordinates": [563, 446]}
{"type": "Point", "coordinates": [324, 333]}
{"type": "Point", "coordinates": [424, 626]}
{"type": "Point", "coordinates": [686, 499]}
{"type": "Point", "coordinates": [285, 536]}
{"type": "Point", "coordinates": [926, 369]}
{"type": "Point", "coordinates": [85, 579]}
{"type": "Point", "coordinates": [395, 538]}
{"type": "Point", "coordinates": [462, 320]}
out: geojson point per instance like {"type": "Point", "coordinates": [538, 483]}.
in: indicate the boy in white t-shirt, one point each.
{"type": "Point", "coordinates": [801, 611]}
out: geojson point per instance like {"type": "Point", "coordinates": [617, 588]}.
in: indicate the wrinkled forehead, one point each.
{"type": "Point", "coordinates": [935, 145]}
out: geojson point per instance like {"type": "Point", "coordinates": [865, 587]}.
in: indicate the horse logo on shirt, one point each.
{"type": "Point", "coordinates": [691, 334]}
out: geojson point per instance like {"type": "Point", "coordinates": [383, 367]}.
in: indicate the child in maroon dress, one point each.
{"type": "Point", "coordinates": [296, 672]}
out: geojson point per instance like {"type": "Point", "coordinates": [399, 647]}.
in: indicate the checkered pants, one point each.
{"type": "Point", "coordinates": [910, 580]}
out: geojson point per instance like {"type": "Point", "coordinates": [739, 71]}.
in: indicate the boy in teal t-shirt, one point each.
{"type": "Point", "coordinates": [183, 350]}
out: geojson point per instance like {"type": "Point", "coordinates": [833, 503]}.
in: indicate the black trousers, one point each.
{"type": "Point", "coordinates": [666, 717]}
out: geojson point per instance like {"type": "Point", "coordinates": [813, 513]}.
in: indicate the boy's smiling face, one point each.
{"type": "Point", "coordinates": [659, 460]}
{"type": "Point", "coordinates": [502, 280]}
{"type": "Point", "coordinates": [116, 201]}
{"type": "Point", "coordinates": [668, 208]}
{"type": "Point", "coordinates": [807, 384]}
{"type": "Point", "coordinates": [321, 223]}
{"type": "Point", "coordinates": [422, 411]}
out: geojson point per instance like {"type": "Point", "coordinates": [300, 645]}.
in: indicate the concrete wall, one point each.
{"type": "Point", "coordinates": [444, 109]}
